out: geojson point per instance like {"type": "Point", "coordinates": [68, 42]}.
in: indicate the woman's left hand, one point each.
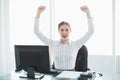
{"type": "Point", "coordinates": [86, 10]}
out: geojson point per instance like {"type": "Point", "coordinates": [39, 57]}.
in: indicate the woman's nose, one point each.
{"type": "Point", "coordinates": [64, 32]}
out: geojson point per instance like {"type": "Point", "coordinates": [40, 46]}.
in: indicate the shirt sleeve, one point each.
{"type": "Point", "coordinates": [88, 34]}
{"type": "Point", "coordinates": [44, 39]}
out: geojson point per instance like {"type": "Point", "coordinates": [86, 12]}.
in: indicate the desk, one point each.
{"type": "Point", "coordinates": [15, 76]}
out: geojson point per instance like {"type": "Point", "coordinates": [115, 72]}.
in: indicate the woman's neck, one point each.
{"type": "Point", "coordinates": [64, 41]}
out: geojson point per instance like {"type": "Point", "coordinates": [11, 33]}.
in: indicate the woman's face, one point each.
{"type": "Point", "coordinates": [64, 31]}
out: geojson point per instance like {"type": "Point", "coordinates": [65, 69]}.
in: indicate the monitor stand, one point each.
{"type": "Point", "coordinates": [30, 72]}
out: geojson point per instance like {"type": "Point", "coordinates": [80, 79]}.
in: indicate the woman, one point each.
{"type": "Point", "coordinates": [64, 51]}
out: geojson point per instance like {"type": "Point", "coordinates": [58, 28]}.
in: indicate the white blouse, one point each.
{"type": "Point", "coordinates": [64, 55]}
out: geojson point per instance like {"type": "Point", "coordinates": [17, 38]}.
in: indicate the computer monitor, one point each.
{"type": "Point", "coordinates": [32, 56]}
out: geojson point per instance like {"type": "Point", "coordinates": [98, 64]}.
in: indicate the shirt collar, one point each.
{"type": "Point", "coordinates": [68, 42]}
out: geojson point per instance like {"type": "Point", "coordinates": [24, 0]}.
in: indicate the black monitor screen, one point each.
{"type": "Point", "coordinates": [35, 56]}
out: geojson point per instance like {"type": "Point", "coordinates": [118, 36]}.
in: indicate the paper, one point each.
{"type": "Point", "coordinates": [69, 75]}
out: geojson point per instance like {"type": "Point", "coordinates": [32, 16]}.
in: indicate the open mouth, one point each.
{"type": "Point", "coordinates": [64, 36]}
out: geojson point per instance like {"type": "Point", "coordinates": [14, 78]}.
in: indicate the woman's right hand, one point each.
{"type": "Point", "coordinates": [39, 11]}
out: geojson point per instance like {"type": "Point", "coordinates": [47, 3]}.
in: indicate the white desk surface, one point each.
{"type": "Point", "coordinates": [15, 76]}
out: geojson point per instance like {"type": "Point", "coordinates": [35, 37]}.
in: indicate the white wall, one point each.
{"type": "Point", "coordinates": [103, 63]}
{"type": "Point", "coordinates": [100, 63]}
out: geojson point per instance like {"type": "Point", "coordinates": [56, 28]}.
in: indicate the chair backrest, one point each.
{"type": "Point", "coordinates": [81, 60]}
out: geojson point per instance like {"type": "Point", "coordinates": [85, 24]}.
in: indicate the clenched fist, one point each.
{"type": "Point", "coordinates": [86, 10]}
{"type": "Point", "coordinates": [39, 11]}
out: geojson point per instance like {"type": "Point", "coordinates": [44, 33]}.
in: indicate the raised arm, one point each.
{"type": "Point", "coordinates": [86, 10]}
{"type": "Point", "coordinates": [36, 27]}
{"type": "Point", "coordinates": [90, 31]}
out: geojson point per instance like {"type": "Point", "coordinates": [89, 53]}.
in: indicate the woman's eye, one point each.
{"type": "Point", "coordinates": [61, 29]}
{"type": "Point", "coordinates": [66, 29]}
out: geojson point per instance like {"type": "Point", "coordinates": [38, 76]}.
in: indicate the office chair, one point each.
{"type": "Point", "coordinates": [82, 59]}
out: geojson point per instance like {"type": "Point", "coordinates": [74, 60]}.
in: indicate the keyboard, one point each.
{"type": "Point", "coordinates": [53, 72]}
